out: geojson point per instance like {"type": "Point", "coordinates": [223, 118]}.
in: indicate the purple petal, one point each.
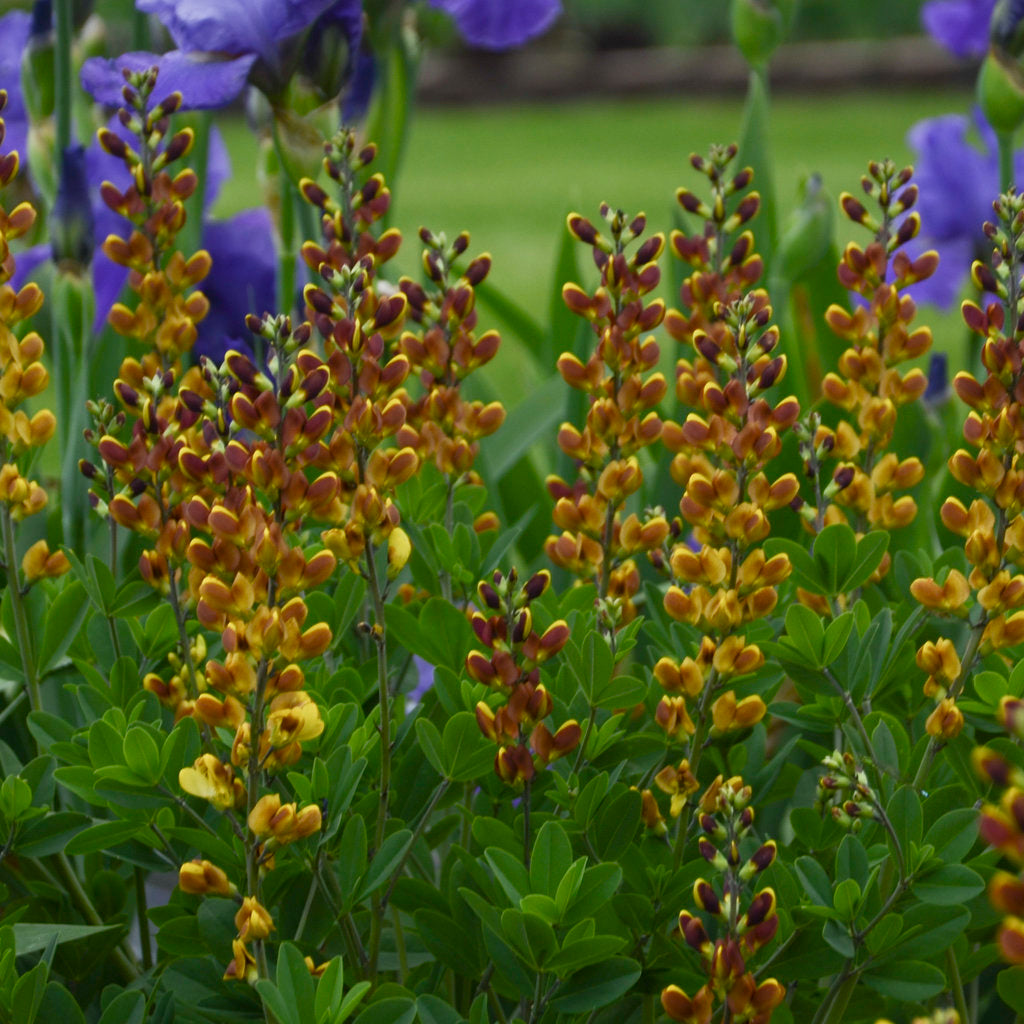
{"type": "Point", "coordinates": [243, 279]}
{"type": "Point", "coordinates": [218, 168]}
{"type": "Point", "coordinates": [962, 26]}
{"type": "Point", "coordinates": [946, 285]}
{"type": "Point", "coordinates": [424, 681]}
{"type": "Point", "coordinates": [234, 26]}
{"type": "Point", "coordinates": [203, 84]}
{"type": "Point", "coordinates": [14, 29]}
{"type": "Point", "coordinates": [957, 182]}
{"type": "Point", "coordinates": [500, 24]}
{"type": "Point", "coordinates": [25, 263]}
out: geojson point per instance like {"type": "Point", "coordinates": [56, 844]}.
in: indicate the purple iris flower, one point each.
{"type": "Point", "coordinates": [203, 84]}
{"type": "Point", "coordinates": [958, 183]}
{"type": "Point", "coordinates": [261, 30]}
{"type": "Point", "coordinates": [424, 681]}
{"type": "Point", "coordinates": [961, 26]}
{"type": "Point", "coordinates": [14, 32]}
{"type": "Point", "coordinates": [237, 26]}
{"type": "Point", "coordinates": [500, 24]}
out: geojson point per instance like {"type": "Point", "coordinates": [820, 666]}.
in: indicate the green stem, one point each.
{"type": "Point", "coordinates": [1005, 143]}
{"type": "Point", "coordinates": [191, 236]}
{"type": "Point", "coordinates": [21, 629]}
{"type": "Point", "coordinates": [836, 1000]}
{"type": "Point", "coordinates": [957, 985]}
{"type": "Point", "coordinates": [62, 74]}
{"type": "Point", "coordinates": [142, 913]}
{"type": "Point", "coordinates": [128, 970]}
{"type": "Point", "coordinates": [301, 926]}
{"type": "Point", "coordinates": [441, 789]}
{"type": "Point", "coordinates": [966, 667]}
{"type": "Point", "coordinates": [286, 262]}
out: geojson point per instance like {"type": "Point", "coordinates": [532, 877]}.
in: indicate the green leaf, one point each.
{"type": "Point", "coordinates": [805, 572]}
{"type": "Point", "coordinates": [838, 937]}
{"type": "Point", "coordinates": [871, 549]}
{"type": "Point", "coordinates": [103, 836]}
{"type": "Point", "coordinates": [106, 745]}
{"type": "Point", "coordinates": [910, 981]}
{"type": "Point", "coordinates": [806, 633]}
{"type": "Point", "coordinates": [385, 861]}
{"type": "Point", "coordinates": [530, 935]}
{"type": "Point", "coordinates": [433, 1010]}
{"type": "Point", "coordinates": [620, 692]}
{"type": "Point", "coordinates": [1010, 985]}
{"type": "Point", "coordinates": [429, 740]}
{"type": "Point", "coordinates": [954, 834]}
{"type": "Point", "coordinates": [28, 994]}
{"type": "Point", "coordinates": [352, 854]}
{"type": "Point", "coordinates": [295, 983]}
{"type": "Point", "coordinates": [533, 419]}
{"type": "Point", "coordinates": [389, 1011]}
{"type": "Point", "coordinates": [951, 885]}
{"type": "Point", "coordinates": [63, 621]}
{"type": "Point", "coordinates": [904, 812]}
{"type": "Point", "coordinates": [127, 1008]}
{"type": "Point", "coordinates": [329, 992]}
{"type": "Point", "coordinates": [141, 754]}
{"type": "Point", "coordinates": [836, 636]}
{"type": "Point", "coordinates": [815, 881]}
{"type": "Point", "coordinates": [353, 997]}
{"type": "Point", "coordinates": [467, 753]}
{"type": "Point", "coordinates": [551, 858]}
{"type": "Point", "coordinates": [617, 824]}
{"type": "Point", "coordinates": [509, 872]}
{"type": "Point", "coordinates": [846, 898]}
{"type": "Point", "coordinates": [597, 985]}
{"type": "Point", "coordinates": [835, 552]}
{"type": "Point", "coordinates": [275, 1003]}
{"type": "Point", "coordinates": [446, 632]}
{"type": "Point", "coordinates": [569, 885]}
{"type": "Point", "coordinates": [597, 887]}
{"type": "Point", "coordinates": [574, 955]}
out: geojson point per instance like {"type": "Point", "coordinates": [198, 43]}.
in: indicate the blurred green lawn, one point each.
{"type": "Point", "coordinates": [509, 175]}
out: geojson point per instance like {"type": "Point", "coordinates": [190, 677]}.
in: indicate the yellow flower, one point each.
{"type": "Point", "coordinates": [253, 921]}
{"type": "Point", "coordinates": [200, 877]}
{"type": "Point", "coordinates": [212, 780]}
{"type": "Point", "coordinates": [293, 717]}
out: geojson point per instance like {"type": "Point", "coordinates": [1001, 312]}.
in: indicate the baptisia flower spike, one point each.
{"type": "Point", "coordinates": [722, 459]}
{"type": "Point", "coordinates": [991, 597]}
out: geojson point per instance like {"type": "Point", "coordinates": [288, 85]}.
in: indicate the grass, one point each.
{"type": "Point", "coordinates": [510, 175]}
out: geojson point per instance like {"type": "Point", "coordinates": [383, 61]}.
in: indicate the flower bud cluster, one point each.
{"type": "Point", "coordinates": [1001, 825]}
{"type": "Point", "coordinates": [991, 596]}
{"type": "Point", "coordinates": [167, 306]}
{"type": "Point", "coordinates": [441, 425]}
{"type": "Point", "coordinates": [511, 668]}
{"type": "Point", "coordinates": [844, 792]}
{"type": "Point", "coordinates": [747, 921]}
{"type": "Point", "coordinates": [598, 541]}
{"type": "Point", "coordinates": [22, 377]}
{"type": "Point", "coordinates": [869, 386]}
{"type": "Point", "coordinates": [360, 321]}
{"type": "Point", "coordinates": [723, 451]}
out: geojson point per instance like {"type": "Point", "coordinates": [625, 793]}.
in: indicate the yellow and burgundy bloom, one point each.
{"type": "Point", "coordinates": [40, 563]}
{"type": "Point", "coordinates": [293, 718]}
{"type": "Point", "coordinates": [252, 920]}
{"type": "Point", "coordinates": [1010, 940]}
{"type": "Point", "coordinates": [212, 780]}
{"type": "Point", "coordinates": [270, 819]}
{"type": "Point", "coordinates": [680, 1007]}
{"type": "Point", "coordinates": [679, 783]}
{"type": "Point", "coordinates": [673, 717]}
{"type": "Point", "coordinates": [1006, 893]}
{"type": "Point", "coordinates": [728, 714]}
{"type": "Point", "coordinates": [946, 721]}
{"type": "Point", "coordinates": [514, 764]}
{"type": "Point", "coordinates": [242, 966]}
{"type": "Point", "coordinates": [950, 597]}
{"type": "Point", "coordinates": [651, 814]}
{"type": "Point", "coordinates": [200, 877]}
{"type": "Point", "coordinates": [228, 713]}
{"type": "Point", "coordinates": [550, 747]}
